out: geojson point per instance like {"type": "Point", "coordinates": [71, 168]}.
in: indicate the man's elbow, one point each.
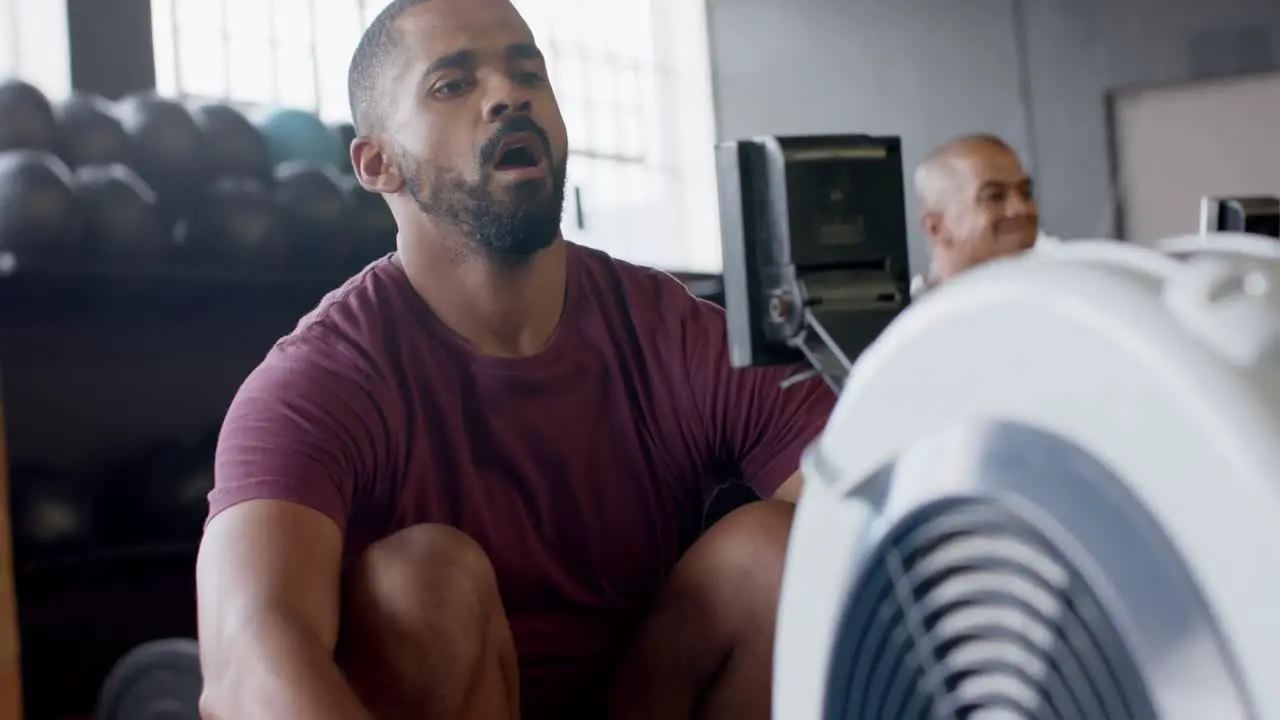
{"type": "Point", "coordinates": [218, 696]}
{"type": "Point", "coordinates": [215, 702]}
{"type": "Point", "coordinates": [232, 655]}
{"type": "Point", "coordinates": [225, 667]}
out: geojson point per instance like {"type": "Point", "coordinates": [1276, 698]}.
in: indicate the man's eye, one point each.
{"type": "Point", "coordinates": [452, 87]}
{"type": "Point", "coordinates": [528, 77]}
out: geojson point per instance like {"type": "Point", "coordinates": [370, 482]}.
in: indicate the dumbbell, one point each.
{"type": "Point", "coordinates": [158, 680]}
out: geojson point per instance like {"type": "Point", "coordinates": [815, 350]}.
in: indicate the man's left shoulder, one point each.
{"type": "Point", "coordinates": [646, 290]}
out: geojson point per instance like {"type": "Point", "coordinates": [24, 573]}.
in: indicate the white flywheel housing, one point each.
{"type": "Point", "coordinates": [1050, 489]}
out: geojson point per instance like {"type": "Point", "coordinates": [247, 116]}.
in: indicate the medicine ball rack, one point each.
{"type": "Point", "coordinates": [108, 271]}
{"type": "Point", "coordinates": [80, 609]}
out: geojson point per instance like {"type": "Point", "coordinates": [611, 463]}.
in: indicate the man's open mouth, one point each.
{"type": "Point", "coordinates": [518, 152]}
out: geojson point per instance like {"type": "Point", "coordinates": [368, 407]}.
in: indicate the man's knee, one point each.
{"type": "Point", "coordinates": [418, 606]}
{"type": "Point", "coordinates": [753, 536]}
{"type": "Point", "coordinates": [425, 560]}
{"type": "Point", "coordinates": [737, 565]}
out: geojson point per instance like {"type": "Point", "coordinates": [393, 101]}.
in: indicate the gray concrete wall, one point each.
{"type": "Point", "coordinates": [1034, 71]}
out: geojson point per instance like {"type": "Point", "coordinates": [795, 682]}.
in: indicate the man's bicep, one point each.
{"type": "Point", "coordinates": [266, 562]}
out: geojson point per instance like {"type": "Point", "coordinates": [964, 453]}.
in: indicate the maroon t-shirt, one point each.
{"type": "Point", "coordinates": [582, 470]}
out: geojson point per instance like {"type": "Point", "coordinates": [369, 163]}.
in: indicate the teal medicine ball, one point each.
{"type": "Point", "coordinates": [299, 135]}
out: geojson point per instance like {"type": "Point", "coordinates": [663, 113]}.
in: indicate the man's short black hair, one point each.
{"type": "Point", "coordinates": [378, 47]}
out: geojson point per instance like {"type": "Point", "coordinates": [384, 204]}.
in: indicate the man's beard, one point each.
{"type": "Point", "coordinates": [508, 228]}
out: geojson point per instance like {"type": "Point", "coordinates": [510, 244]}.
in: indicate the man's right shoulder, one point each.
{"type": "Point", "coordinates": [352, 323]}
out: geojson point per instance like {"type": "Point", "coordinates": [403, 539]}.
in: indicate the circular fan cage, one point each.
{"type": "Point", "coordinates": [966, 610]}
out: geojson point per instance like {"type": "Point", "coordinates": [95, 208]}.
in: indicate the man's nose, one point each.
{"type": "Point", "coordinates": [1019, 205]}
{"type": "Point", "coordinates": [506, 98]}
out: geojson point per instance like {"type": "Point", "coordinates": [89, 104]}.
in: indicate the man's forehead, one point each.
{"type": "Point", "coordinates": [436, 28]}
{"type": "Point", "coordinates": [990, 164]}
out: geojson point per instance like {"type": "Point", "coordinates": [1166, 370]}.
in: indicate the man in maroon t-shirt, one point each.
{"type": "Point", "coordinates": [470, 484]}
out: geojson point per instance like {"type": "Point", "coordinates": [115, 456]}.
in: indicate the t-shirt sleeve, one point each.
{"type": "Point", "coordinates": [757, 427]}
{"type": "Point", "coordinates": [297, 431]}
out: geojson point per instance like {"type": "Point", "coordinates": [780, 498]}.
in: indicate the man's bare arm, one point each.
{"type": "Point", "coordinates": [790, 490]}
{"type": "Point", "coordinates": [268, 581]}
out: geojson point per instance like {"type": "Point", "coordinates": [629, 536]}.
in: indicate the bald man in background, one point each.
{"type": "Point", "coordinates": [976, 204]}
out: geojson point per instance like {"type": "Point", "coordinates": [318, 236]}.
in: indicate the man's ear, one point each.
{"type": "Point", "coordinates": [935, 234]}
{"type": "Point", "coordinates": [374, 168]}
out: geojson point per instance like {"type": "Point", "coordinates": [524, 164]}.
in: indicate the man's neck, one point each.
{"type": "Point", "coordinates": [502, 309]}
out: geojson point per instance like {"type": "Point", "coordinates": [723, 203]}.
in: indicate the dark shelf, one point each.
{"type": "Point", "coordinates": [14, 268]}
{"type": "Point", "coordinates": [107, 560]}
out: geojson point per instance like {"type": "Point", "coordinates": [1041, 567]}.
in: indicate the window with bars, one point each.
{"type": "Point", "coordinates": [33, 44]}
{"type": "Point", "coordinates": [641, 185]}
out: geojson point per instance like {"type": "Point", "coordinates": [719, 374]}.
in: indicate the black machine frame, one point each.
{"type": "Point", "coordinates": [805, 258]}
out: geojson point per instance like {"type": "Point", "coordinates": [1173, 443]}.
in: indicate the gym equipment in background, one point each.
{"type": "Point", "coordinates": [26, 118]}
{"type": "Point", "coordinates": [370, 222]}
{"type": "Point", "coordinates": [297, 135]}
{"type": "Point", "coordinates": [159, 496]}
{"type": "Point", "coordinates": [89, 133]}
{"type": "Point", "coordinates": [38, 210]}
{"type": "Point", "coordinates": [167, 149]}
{"type": "Point", "coordinates": [52, 511]}
{"type": "Point", "coordinates": [236, 148]}
{"type": "Point", "coordinates": [158, 680]}
{"type": "Point", "coordinates": [120, 216]}
{"type": "Point", "coordinates": [203, 187]}
{"type": "Point", "coordinates": [315, 212]}
{"type": "Point", "coordinates": [235, 220]}
{"type": "Point", "coordinates": [1255, 215]}
{"type": "Point", "coordinates": [1049, 490]}
{"type": "Point", "coordinates": [815, 247]}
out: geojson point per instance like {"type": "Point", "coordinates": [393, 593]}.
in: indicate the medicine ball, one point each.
{"type": "Point", "coordinates": [89, 133]}
{"type": "Point", "coordinates": [315, 212]}
{"type": "Point", "coordinates": [119, 213]}
{"type": "Point", "coordinates": [38, 211]}
{"type": "Point", "coordinates": [298, 135]}
{"type": "Point", "coordinates": [372, 226]}
{"type": "Point", "coordinates": [166, 146]}
{"type": "Point", "coordinates": [52, 511]}
{"type": "Point", "coordinates": [26, 118]}
{"type": "Point", "coordinates": [235, 146]}
{"type": "Point", "coordinates": [236, 220]}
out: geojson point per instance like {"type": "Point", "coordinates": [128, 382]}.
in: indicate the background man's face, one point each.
{"type": "Point", "coordinates": [991, 212]}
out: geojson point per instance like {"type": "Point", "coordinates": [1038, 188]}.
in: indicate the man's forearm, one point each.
{"type": "Point", "coordinates": [280, 673]}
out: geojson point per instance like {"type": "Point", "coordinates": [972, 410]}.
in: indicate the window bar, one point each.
{"type": "Point", "coordinates": [175, 57]}
{"type": "Point", "coordinates": [225, 17]}
{"type": "Point", "coordinates": [15, 44]}
{"type": "Point", "coordinates": [611, 157]}
{"type": "Point", "coordinates": [624, 143]}
{"type": "Point", "coordinates": [273, 38]}
{"type": "Point", "coordinates": [318, 92]}
{"type": "Point", "coordinates": [589, 104]}
{"type": "Point", "coordinates": [647, 91]}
